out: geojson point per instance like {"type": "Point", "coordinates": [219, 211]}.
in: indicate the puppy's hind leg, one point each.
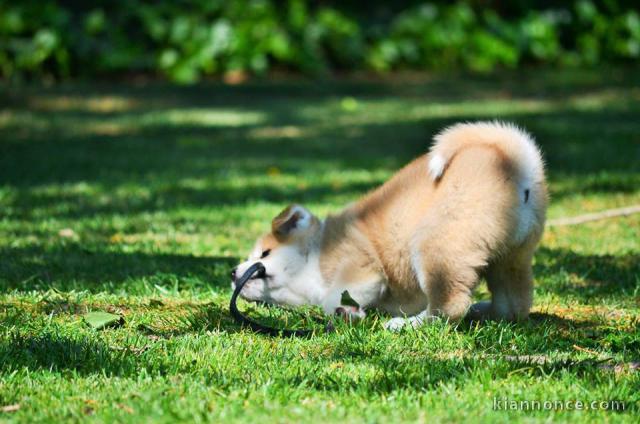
{"type": "Point", "coordinates": [510, 281]}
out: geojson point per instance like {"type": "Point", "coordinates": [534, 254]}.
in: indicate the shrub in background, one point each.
{"type": "Point", "coordinates": [187, 39]}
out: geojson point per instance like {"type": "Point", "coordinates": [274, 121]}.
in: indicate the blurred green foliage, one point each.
{"type": "Point", "coordinates": [187, 39]}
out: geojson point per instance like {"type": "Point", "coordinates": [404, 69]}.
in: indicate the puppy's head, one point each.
{"type": "Point", "coordinates": [286, 253]}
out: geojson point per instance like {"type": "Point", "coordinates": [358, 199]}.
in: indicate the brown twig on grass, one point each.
{"type": "Point", "coordinates": [596, 216]}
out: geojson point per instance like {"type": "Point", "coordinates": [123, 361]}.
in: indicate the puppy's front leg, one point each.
{"type": "Point", "coordinates": [351, 300]}
{"type": "Point", "coordinates": [350, 313]}
{"type": "Point", "coordinates": [334, 304]}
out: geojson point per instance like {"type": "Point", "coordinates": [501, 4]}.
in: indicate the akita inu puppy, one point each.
{"type": "Point", "coordinates": [416, 247]}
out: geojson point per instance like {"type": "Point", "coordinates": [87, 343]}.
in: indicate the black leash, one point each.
{"type": "Point", "coordinates": [259, 271]}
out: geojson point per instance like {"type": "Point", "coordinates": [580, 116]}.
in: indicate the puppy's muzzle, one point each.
{"type": "Point", "coordinates": [261, 273]}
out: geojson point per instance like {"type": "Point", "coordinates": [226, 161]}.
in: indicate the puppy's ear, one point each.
{"type": "Point", "coordinates": [294, 220]}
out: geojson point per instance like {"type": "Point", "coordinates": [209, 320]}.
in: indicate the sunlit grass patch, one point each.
{"type": "Point", "coordinates": [202, 117]}
{"type": "Point", "coordinates": [98, 104]}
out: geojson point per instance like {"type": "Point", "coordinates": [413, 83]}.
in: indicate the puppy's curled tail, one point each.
{"type": "Point", "coordinates": [517, 145]}
{"type": "Point", "coordinates": [513, 141]}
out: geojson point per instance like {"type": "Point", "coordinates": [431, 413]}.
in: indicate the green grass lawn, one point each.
{"type": "Point", "coordinates": [138, 198]}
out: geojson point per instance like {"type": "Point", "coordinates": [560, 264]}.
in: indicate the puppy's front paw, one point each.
{"type": "Point", "coordinates": [350, 313]}
{"type": "Point", "coordinates": [396, 324]}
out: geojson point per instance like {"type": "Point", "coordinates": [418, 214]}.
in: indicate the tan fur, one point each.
{"type": "Point", "coordinates": [420, 243]}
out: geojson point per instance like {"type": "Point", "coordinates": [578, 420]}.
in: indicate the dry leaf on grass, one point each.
{"type": "Point", "coordinates": [125, 408]}
{"type": "Point", "coordinates": [10, 408]}
{"type": "Point", "coordinates": [67, 233]}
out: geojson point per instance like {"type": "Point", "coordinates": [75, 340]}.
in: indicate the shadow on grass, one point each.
{"type": "Point", "coordinates": [155, 169]}
{"type": "Point", "coordinates": [72, 267]}
{"type": "Point", "coordinates": [56, 352]}
{"type": "Point", "coordinates": [158, 154]}
{"type": "Point", "coordinates": [586, 276]}
{"type": "Point", "coordinates": [545, 318]}
{"type": "Point", "coordinates": [78, 353]}
{"type": "Point", "coordinates": [534, 319]}
{"type": "Point", "coordinates": [59, 349]}
{"type": "Point", "coordinates": [174, 196]}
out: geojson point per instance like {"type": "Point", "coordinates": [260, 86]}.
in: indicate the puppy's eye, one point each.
{"type": "Point", "coordinates": [265, 253]}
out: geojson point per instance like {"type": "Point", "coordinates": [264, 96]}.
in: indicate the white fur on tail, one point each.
{"type": "Point", "coordinates": [515, 142]}
{"type": "Point", "coordinates": [436, 165]}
